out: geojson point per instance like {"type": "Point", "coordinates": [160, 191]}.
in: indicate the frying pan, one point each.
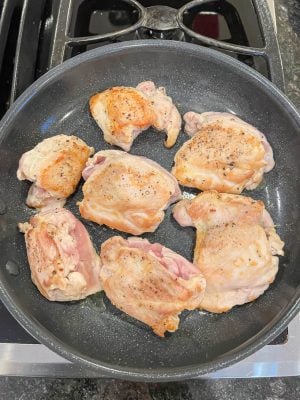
{"type": "Point", "coordinates": [92, 332]}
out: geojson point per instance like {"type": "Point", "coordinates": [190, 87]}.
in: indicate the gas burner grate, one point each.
{"type": "Point", "coordinates": [36, 36]}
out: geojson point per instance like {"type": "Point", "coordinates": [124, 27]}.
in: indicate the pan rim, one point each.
{"type": "Point", "coordinates": [162, 374]}
{"type": "Point", "coordinates": [268, 333]}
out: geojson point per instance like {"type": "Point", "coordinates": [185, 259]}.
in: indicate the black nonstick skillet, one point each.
{"type": "Point", "coordinates": [92, 332]}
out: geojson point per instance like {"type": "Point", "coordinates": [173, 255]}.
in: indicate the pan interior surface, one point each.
{"type": "Point", "coordinates": [198, 80]}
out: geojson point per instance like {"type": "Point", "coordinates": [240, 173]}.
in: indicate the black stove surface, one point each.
{"type": "Point", "coordinates": [11, 331]}
{"type": "Point", "coordinates": [35, 36]}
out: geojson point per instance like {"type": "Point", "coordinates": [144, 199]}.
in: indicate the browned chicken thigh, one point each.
{"type": "Point", "coordinates": [236, 247]}
{"type": "Point", "coordinates": [225, 154]}
{"type": "Point", "coordinates": [63, 262]}
{"type": "Point", "coordinates": [126, 192]}
{"type": "Point", "coordinates": [123, 113]}
{"type": "Point", "coordinates": [54, 166]}
{"type": "Point", "coordinates": [149, 282]}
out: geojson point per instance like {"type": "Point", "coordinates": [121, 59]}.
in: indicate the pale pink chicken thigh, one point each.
{"type": "Point", "coordinates": [149, 282]}
{"type": "Point", "coordinates": [168, 118]}
{"type": "Point", "coordinates": [225, 154]}
{"type": "Point", "coordinates": [194, 122]}
{"type": "Point", "coordinates": [126, 192]}
{"type": "Point", "coordinates": [236, 248]}
{"type": "Point", "coordinates": [63, 262]}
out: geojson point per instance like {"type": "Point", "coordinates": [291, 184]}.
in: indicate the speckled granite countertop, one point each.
{"type": "Point", "coordinates": [288, 27]}
{"type": "Point", "coordinates": [288, 24]}
{"type": "Point", "coordinates": [96, 389]}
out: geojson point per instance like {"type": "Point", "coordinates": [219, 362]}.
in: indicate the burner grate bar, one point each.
{"type": "Point", "coordinates": [273, 56]}
{"type": "Point", "coordinates": [270, 52]}
{"type": "Point", "coordinates": [59, 42]}
{"type": "Point", "coordinates": [7, 11]}
{"type": "Point", "coordinates": [27, 46]}
{"type": "Point", "coordinates": [9, 24]}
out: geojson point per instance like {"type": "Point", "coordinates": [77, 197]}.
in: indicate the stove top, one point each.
{"type": "Point", "coordinates": [36, 36]}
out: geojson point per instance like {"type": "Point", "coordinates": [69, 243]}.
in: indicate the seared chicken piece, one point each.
{"type": "Point", "coordinates": [126, 192]}
{"type": "Point", "coordinates": [149, 282]}
{"type": "Point", "coordinates": [168, 118]}
{"type": "Point", "coordinates": [54, 166]}
{"type": "Point", "coordinates": [63, 262]}
{"type": "Point", "coordinates": [210, 209]}
{"type": "Point", "coordinates": [124, 112]}
{"type": "Point", "coordinates": [236, 247]}
{"type": "Point", "coordinates": [225, 154]}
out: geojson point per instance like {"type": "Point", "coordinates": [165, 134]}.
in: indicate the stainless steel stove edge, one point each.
{"type": "Point", "coordinates": [38, 360]}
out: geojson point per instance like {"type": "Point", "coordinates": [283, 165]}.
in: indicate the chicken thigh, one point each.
{"type": "Point", "coordinates": [124, 112]}
{"type": "Point", "coordinates": [236, 247]}
{"type": "Point", "coordinates": [63, 262]}
{"type": "Point", "coordinates": [210, 209]}
{"type": "Point", "coordinates": [126, 192]}
{"type": "Point", "coordinates": [149, 282]}
{"type": "Point", "coordinates": [54, 166]}
{"type": "Point", "coordinates": [167, 118]}
{"type": "Point", "coordinates": [225, 154]}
